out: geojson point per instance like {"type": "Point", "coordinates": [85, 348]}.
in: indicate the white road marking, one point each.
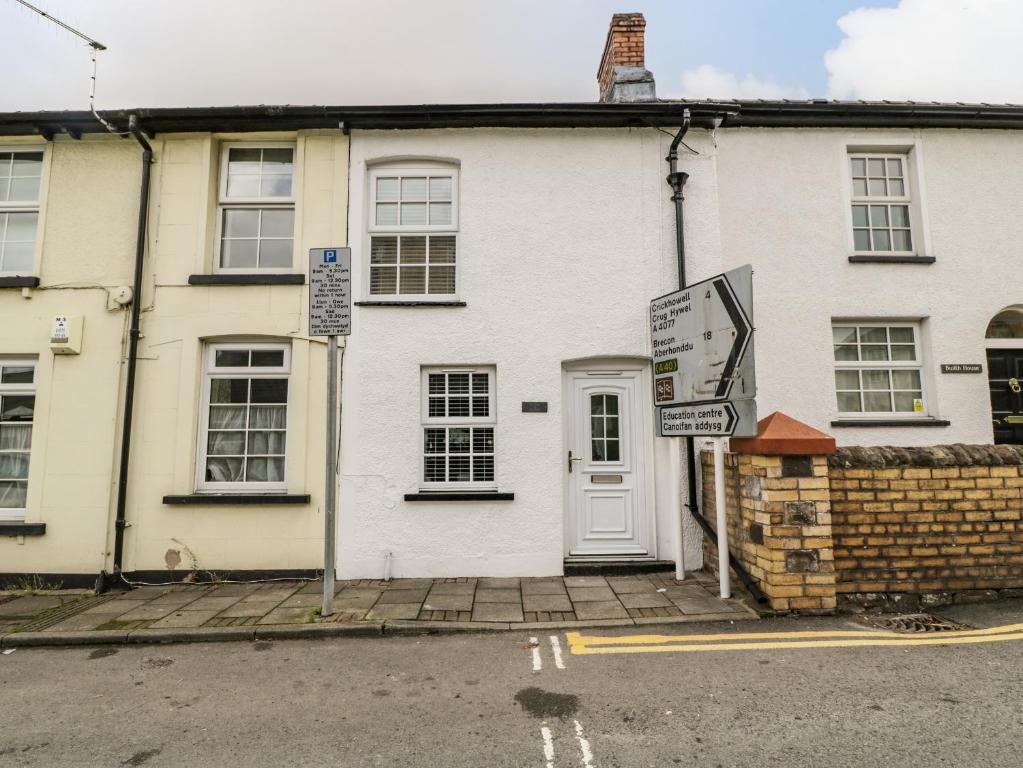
{"type": "Point", "coordinates": [537, 661]}
{"type": "Point", "coordinates": [548, 745]}
{"type": "Point", "coordinates": [556, 650]}
{"type": "Point", "coordinates": [584, 745]}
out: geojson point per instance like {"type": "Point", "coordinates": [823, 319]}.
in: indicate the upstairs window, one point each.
{"type": "Point", "coordinates": [458, 428]}
{"type": "Point", "coordinates": [878, 369]}
{"type": "Point", "coordinates": [20, 174]}
{"type": "Point", "coordinates": [17, 412]}
{"type": "Point", "coordinates": [244, 434]}
{"type": "Point", "coordinates": [257, 208]}
{"type": "Point", "coordinates": [881, 204]}
{"type": "Point", "coordinates": [413, 233]}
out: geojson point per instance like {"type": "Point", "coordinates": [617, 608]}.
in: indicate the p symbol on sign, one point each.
{"type": "Point", "coordinates": [330, 257]}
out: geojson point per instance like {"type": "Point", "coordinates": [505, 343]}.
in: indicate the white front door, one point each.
{"type": "Point", "coordinates": [608, 465]}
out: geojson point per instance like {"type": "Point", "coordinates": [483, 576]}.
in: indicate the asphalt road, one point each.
{"type": "Point", "coordinates": [478, 700]}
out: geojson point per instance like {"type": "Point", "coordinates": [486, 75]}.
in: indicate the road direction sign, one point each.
{"type": "Point", "coordinates": [738, 419]}
{"type": "Point", "coordinates": [703, 341]}
{"type": "Point", "coordinates": [330, 291]}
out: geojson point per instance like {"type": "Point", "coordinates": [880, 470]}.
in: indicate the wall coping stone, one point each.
{"type": "Point", "coordinates": [781, 435]}
{"type": "Point", "coordinates": [955, 455]}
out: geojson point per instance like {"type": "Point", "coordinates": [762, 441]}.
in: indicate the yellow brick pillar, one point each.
{"type": "Point", "coordinates": [783, 528]}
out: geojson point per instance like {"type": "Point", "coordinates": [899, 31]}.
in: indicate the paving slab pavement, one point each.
{"type": "Point", "coordinates": [430, 604]}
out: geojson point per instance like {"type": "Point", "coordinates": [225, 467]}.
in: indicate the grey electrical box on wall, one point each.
{"type": "Point", "coordinates": [66, 335]}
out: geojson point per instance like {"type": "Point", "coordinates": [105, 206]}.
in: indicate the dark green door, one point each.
{"type": "Point", "coordinates": [1005, 376]}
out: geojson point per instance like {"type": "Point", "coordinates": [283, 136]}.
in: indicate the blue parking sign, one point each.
{"type": "Point", "coordinates": [330, 256]}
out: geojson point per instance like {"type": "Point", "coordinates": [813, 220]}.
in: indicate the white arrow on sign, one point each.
{"type": "Point", "coordinates": [725, 419]}
{"type": "Point", "coordinates": [702, 341]}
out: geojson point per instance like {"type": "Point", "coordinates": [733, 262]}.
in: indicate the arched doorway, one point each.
{"type": "Point", "coordinates": [1004, 341]}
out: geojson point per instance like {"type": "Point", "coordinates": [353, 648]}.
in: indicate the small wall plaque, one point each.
{"type": "Point", "coordinates": [534, 407]}
{"type": "Point", "coordinates": [962, 368]}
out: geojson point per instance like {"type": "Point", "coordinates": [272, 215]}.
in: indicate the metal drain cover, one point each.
{"type": "Point", "coordinates": [916, 623]}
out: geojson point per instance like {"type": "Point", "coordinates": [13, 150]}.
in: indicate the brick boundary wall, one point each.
{"type": "Point", "coordinates": [878, 526]}
{"type": "Point", "coordinates": [941, 521]}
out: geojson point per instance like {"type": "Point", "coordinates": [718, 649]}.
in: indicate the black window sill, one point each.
{"type": "Point", "coordinates": [22, 529]}
{"type": "Point", "coordinates": [891, 423]}
{"type": "Point", "coordinates": [252, 279]}
{"type": "Point", "coordinates": [410, 303]}
{"type": "Point", "coordinates": [264, 499]}
{"type": "Point", "coordinates": [459, 496]}
{"type": "Point", "coordinates": [892, 259]}
{"type": "Point", "coordinates": [19, 281]}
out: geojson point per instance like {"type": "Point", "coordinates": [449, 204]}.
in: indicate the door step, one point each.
{"type": "Point", "coordinates": [616, 567]}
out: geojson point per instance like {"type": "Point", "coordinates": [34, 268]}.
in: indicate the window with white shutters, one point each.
{"type": "Point", "coordinates": [413, 226]}
{"type": "Point", "coordinates": [459, 421]}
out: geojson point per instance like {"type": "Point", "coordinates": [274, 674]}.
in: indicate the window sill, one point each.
{"type": "Point", "coordinates": [868, 259]}
{"type": "Point", "coordinates": [247, 279]}
{"type": "Point", "coordinates": [410, 304]}
{"type": "Point", "coordinates": [459, 496]}
{"type": "Point", "coordinates": [265, 499]}
{"type": "Point", "coordinates": [891, 423]}
{"type": "Point", "coordinates": [22, 529]}
{"type": "Point", "coordinates": [19, 281]}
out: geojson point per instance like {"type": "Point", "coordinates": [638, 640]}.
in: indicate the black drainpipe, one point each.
{"type": "Point", "coordinates": [677, 180]}
{"type": "Point", "coordinates": [133, 345]}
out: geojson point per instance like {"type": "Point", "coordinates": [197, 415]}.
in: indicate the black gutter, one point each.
{"type": "Point", "coordinates": [705, 114]}
{"type": "Point", "coordinates": [133, 344]}
{"type": "Point", "coordinates": [677, 180]}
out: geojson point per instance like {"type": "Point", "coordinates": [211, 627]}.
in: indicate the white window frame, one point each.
{"type": "Point", "coordinates": [210, 371]}
{"type": "Point", "coordinates": [281, 203]}
{"type": "Point", "coordinates": [888, 201]}
{"type": "Point", "coordinates": [461, 421]}
{"type": "Point", "coordinates": [17, 514]}
{"type": "Point", "coordinates": [888, 365]}
{"type": "Point", "coordinates": [25, 206]}
{"type": "Point", "coordinates": [399, 230]}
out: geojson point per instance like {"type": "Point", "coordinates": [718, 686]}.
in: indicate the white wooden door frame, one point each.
{"type": "Point", "coordinates": [638, 370]}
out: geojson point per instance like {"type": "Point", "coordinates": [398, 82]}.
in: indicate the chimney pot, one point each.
{"type": "Point", "coordinates": [622, 75]}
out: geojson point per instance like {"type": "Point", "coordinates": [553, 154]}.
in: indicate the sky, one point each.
{"type": "Point", "coordinates": [164, 53]}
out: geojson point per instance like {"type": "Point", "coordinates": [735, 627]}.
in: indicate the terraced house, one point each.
{"type": "Point", "coordinates": [497, 414]}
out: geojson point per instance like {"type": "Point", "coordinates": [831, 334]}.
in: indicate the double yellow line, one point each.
{"type": "Point", "coordinates": [582, 645]}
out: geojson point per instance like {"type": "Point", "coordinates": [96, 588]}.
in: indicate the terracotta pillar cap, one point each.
{"type": "Point", "coordinates": [781, 435]}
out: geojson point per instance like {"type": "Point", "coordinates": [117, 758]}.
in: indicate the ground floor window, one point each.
{"type": "Point", "coordinates": [17, 411]}
{"type": "Point", "coordinates": [878, 369]}
{"type": "Point", "coordinates": [244, 431]}
{"type": "Point", "coordinates": [459, 421]}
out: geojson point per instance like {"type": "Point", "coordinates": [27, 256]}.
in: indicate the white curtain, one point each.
{"type": "Point", "coordinates": [15, 437]}
{"type": "Point", "coordinates": [12, 494]}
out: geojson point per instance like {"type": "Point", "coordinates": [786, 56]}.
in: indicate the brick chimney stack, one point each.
{"type": "Point", "coordinates": [623, 76]}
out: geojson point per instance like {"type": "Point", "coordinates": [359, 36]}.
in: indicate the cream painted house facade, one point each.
{"type": "Point", "coordinates": [214, 287]}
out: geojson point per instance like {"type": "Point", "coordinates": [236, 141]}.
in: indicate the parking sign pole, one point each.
{"type": "Point", "coordinates": [330, 491]}
{"type": "Point", "coordinates": [330, 315]}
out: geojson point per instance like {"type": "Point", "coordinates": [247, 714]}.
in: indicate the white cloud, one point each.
{"type": "Point", "coordinates": [216, 52]}
{"type": "Point", "coordinates": [709, 82]}
{"type": "Point", "coordinates": [930, 50]}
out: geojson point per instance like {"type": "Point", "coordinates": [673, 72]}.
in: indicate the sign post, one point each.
{"type": "Point", "coordinates": [704, 375]}
{"type": "Point", "coordinates": [330, 315]}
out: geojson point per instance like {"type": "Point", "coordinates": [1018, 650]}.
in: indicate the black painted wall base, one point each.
{"type": "Point", "coordinates": [617, 567]}
{"type": "Point", "coordinates": [43, 581]}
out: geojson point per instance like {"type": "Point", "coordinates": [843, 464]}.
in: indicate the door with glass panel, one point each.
{"type": "Point", "coordinates": [610, 506]}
